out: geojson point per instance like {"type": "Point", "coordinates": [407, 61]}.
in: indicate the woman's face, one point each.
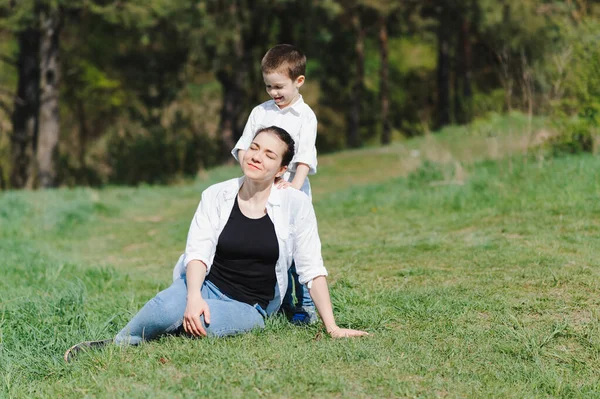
{"type": "Point", "coordinates": [262, 161]}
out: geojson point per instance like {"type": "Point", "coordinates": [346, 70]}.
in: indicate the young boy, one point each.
{"type": "Point", "coordinates": [283, 68]}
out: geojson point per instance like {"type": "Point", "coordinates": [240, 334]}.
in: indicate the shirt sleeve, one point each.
{"type": "Point", "coordinates": [307, 150]}
{"type": "Point", "coordinates": [307, 244]}
{"type": "Point", "coordinates": [201, 239]}
{"type": "Point", "coordinates": [249, 130]}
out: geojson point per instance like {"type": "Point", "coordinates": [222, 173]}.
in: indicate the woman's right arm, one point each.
{"type": "Point", "coordinates": [199, 251]}
{"type": "Point", "coordinates": [196, 305]}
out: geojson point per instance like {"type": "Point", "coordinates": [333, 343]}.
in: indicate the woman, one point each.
{"type": "Point", "coordinates": [240, 245]}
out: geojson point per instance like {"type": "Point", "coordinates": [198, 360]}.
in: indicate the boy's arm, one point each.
{"type": "Point", "coordinates": [305, 159]}
{"type": "Point", "coordinates": [302, 170]}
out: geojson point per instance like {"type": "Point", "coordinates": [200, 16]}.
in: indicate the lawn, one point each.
{"type": "Point", "coordinates": [470, 258]}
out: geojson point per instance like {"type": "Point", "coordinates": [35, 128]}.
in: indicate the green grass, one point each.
{"type": "Point", "coordinates": [476, 280]}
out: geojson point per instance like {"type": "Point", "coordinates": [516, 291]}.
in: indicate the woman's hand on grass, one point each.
{"type": "Point", "coordinates": [346, 333]}
{"type": "Point", "coordinates": [192, 324]}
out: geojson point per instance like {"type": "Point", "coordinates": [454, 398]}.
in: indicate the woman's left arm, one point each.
{"type": "Point", "coordinates": [319, 293]}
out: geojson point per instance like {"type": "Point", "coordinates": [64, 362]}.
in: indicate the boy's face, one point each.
{"type": "Point", "coordinates": [281, 88]}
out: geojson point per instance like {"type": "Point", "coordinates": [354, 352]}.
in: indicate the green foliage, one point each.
{"type": "Point", "coordinates": [94, 81]}
{"type": "Point", "coordinates": [412, 67]}
{"type": "Point", "coordinates": [157, 154]}
{"type": "Point", "coordinates": [574, 136]}
{"type": "Point", "coordinates": [577, 111]}
{"type": "Point", "coordinates": [427, 173]}
{"type": "Point", "coordinates": [127, 65]}
{"type": "Point", "coordinates": [487, 103]}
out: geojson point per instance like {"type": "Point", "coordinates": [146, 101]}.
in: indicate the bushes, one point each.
{"type": "Point", "coordinates": [157, 154]}
{"type": "Point", "coordinates": [577, 112]}
{"type": "Point", "coordinates": [574, 136]}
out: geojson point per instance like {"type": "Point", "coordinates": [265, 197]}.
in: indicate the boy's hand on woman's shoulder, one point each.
{"type": "Point", "coordinates": [281, 183]}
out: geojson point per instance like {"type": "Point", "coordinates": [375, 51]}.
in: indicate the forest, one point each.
{"type": "Point", "coordinates": [97, 92]}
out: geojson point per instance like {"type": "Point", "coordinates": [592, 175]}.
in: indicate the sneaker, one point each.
{"type": "Point", "coordinates": [83, 346]}
{"type": "Point", "coordinates": [304, 315]}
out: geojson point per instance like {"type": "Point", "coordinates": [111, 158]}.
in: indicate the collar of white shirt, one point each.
{"type": "Point", "coordinates": [295, 107]}
{"type": "Point", "coordinates": [230, 192]}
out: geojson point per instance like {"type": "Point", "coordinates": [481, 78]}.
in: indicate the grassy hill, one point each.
{"type": "Point", "coordinates": [470, 257]}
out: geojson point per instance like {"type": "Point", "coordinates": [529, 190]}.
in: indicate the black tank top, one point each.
{"type": "Point", "coordinates": [245, 259]}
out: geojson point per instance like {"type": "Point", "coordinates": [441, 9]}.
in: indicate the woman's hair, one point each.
{"type": "Point", "coordinates": [283, 136]}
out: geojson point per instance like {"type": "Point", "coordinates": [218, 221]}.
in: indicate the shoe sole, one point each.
{"type": "Point", "coordinates": [84, 346]}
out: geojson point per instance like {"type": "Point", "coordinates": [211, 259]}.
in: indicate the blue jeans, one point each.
{"type": "Point", "coordinates": [163, 314]}
{"type": "Point", "coordinates": [302, 296]}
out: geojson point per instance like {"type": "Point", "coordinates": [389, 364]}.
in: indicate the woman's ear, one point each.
{"type": "Point", "coordinates": [281, 172]}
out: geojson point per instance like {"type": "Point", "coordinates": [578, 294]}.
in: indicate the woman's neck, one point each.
{"type": "Point", "coordinates": [253, 197]}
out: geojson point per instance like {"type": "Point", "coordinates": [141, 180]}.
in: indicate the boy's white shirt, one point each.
{"type": "Point", "coordinates": [299, 120]}
{"type": "Point", "coordinates": [295, 224]}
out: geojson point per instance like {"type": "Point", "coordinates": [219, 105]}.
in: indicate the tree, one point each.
{"type": "Point", "coordinates": [235, 37]}
{"type": "Point", "coordinates": [22, 20]}
{"type": "Point", "coordinates": [343, 68]}
{"type": "Point", "coordinates": [38, 25]}
{"type": "Point", "coordinates": [384, 86]}
{"type": "Point", "coordinates": [456, 20]}
{"type": "Point", "coordinates": [49, 119]}
{"type": "Point", "coordinates": [26, 109]}
{"type": "Point", "coordinates": [511, 28]}
{"type": "Point", "coordinates": [35, 116]}
{"type": "Point", "coordinates": [359, 77]}
{"type": "Point", "coordinates": [467, 20]}
{"type": "Point", "coordinates": [384, 9]}
{"type": "Point", "coordinates": [443, 65]}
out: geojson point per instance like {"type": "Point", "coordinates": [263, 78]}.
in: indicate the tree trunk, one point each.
{"type": "Point", "coordinates": [384, 84]}
{"type": "Point", "coordinates": [462, 89]}
{"type": "Point", "coordinates": [2, 182]}
{"type": "Point", "coordinates": [505, 61]}
{"type": "Point", "coordinates": [357, 90]}
{"type": "Point", "coordinates": [231, 111]}
{"type": "Point", "coordinates": [49, 126]}
{"type": "Point", "coordinates": [232, 78]}
{"type": "Point", "coordinates": [258, 22]}
{"type": "Point", "coordinates": [83, 139]}
{"type": "Point", "coordinates": [456, 80]}
{"type": "Point", "coordinates": [26, 110]}
{"type": "Point", "coordinates": [467, 74]}
{"type": "Point", "coordinates": [287, 19]}
{"type": "Point", "coordinates": [443, 70]}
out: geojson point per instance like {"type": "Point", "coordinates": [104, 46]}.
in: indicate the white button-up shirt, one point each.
{"type": "Point", "coordinates": [299, 120]}
{"type": "Point", "coordinates": [295, 224]}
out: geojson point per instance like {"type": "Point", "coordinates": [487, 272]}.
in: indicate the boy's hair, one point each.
{"type": "Point", "coordinates": [284, 136]}
{"type": "Point", "coordinates": [284, 58]}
